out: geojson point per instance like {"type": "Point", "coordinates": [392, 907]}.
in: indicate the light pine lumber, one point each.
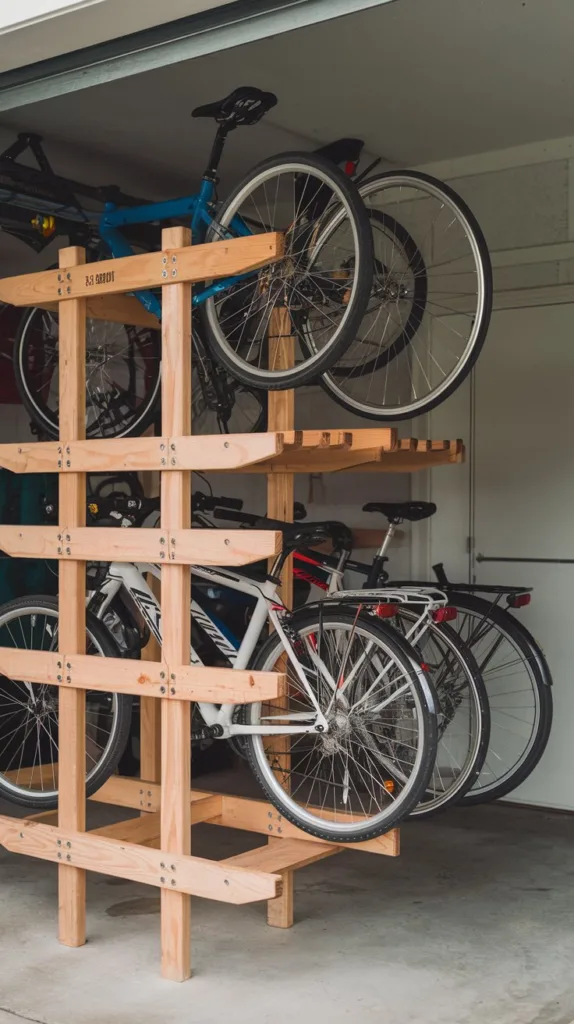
{"type": "Point", "coordinates": [117, 309]}
{"type": "Point", "coordinates": [132, 273]}
{"type": "Point", "coordinates": [150, 708]}
{"type": "Point", "coordinates": [280, 500]}
{"type": "Point", "coordinates": [283, 854]}
{"type": "Point", "coordinates": [173, 873]}
{"type": "Point", "coordinates": [72, 608]}
{"type": "Point", "coordinates": [175, 613]}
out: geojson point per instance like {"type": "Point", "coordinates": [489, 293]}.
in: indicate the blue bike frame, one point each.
{"type": "Point", "coordinates": [200, 210]}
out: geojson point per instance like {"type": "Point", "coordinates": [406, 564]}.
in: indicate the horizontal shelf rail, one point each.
{"type": "Point", "coordinates": [141, 678]}
{"type": "Point", "coordinates": [182, 873]}
{"type": "Point", "coordinates": [149, 270]}
{"type": "Point", "coordinates": [117, 544]}
{"type": "Point", "coordinates": [297, 451]}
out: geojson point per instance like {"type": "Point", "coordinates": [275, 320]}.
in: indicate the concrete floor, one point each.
{"type": "Point", "coordinates": [474, 923]}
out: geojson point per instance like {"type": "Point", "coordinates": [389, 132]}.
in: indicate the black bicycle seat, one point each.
{"type": "Point", "coordinates": [397, 511]}
{"type": "Point", "coordinates": [245, 105]}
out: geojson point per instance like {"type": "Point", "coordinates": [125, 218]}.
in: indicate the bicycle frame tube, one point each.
{"type": "Point", "coordinates": [132, 578]}
{"type": "Point", "coordinates": [197, 208]}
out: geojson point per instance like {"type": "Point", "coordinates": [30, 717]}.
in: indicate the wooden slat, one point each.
{"type": "Point", "coordinates": [175, 603]}
{"type": "Point", "coordinates": [259, 816]}
{"type": "Point", "coordinates": [150, 709]}
{"type": "Point", "coordinates": [132, 273]}
{"type": "Point", "coordinates": [132, 830]}
{"type": "Point", "coordinates": [116, 544]}
{"type": "Point", "coordinates": [232, 451]}
{"type": "Point", "coordinates": [223, 685]}
{"type": "Point", "coordinates": [118, 309]}
{"type": "Point", "coordinates": [283, 854]}
{"type": "Point", "coordinates": [72, 607]}
{"type": "Point", "coordinates": [181, 874]}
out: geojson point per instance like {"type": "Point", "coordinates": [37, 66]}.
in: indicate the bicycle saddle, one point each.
{"type": "Point", "coordinates": [396, 511]}
{"type": "Point", "coordinates": [245, 105]}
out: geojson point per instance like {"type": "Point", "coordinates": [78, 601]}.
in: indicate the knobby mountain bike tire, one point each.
{"type": "Point", "coordinates": [29, 752]}
{"type": "Point", "coordinates": [363, 776]}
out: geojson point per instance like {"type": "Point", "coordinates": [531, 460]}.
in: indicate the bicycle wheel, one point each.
{"type": "Point", "coordinates": [364, 775]}
{"type": "Point", "coordinates": [518, 684]}
{"type": "Point", "coordinates": [323, 281]}
{"type": "Point", "coordinates": [463, 713]}
{"type": "Point", "coordinates": [430, 305]}
{"type": "Point", "coordinates": [218, 403]}
{"type": "Point", "coordinates": [123, 368]}
{"type": "Point", "coordinates": [29, 711]}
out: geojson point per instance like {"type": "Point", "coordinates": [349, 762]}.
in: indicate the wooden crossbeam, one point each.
{"type": "Point", "coordinates": [117, 309]}
{"type": "Point", "coordinates": [283, 856]}
{"type": "Point", "coordinates": [115, 544]}
{"type": "Point", "coordinates": [235, 812]}
{"type": "Point", "coordinates": [171, 872]}
{"type": "Point", "coordinates": [150, 270]}
{"type": "Point", "coordinates": [148, 678]}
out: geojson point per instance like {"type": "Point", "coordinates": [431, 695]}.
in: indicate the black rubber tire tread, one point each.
{"type": "Point", "coordinates": [432, 403]}
{"type": "Point", "coordinates": [403, 653]}
{"type": "Point", "coordinates": [107, 766]}
{"type": "Point", "coordinates": [466, 657]}
{"type": "Point", "coordinates": [48, 426]}
{"type": "Point", "coordinates": [526, 643]}
{"type": "Point", "coordinates": [298, 376]}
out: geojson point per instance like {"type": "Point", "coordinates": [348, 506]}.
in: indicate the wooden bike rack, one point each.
{"type": "Point", "coordinates": [155, 848]}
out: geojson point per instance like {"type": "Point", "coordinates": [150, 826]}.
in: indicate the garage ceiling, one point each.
{"type": "Point", "coordinates": [419, 80]}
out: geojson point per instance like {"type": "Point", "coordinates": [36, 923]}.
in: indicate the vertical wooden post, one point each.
{"type": "Point", "coordinates": [175, 608]}
{"type": "Point", "coordinates": [72, 607]}
{"type": "Point", "coordinates": [150, 708]}
{"type": "Point", "coordinates": [280, 499]}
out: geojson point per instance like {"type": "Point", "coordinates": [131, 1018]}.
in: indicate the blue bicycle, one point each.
{"type": "Point", "coordinates": [322, 283]}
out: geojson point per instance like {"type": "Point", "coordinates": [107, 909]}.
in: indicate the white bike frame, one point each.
{"type": "Point", "coordinates": [268, 608]}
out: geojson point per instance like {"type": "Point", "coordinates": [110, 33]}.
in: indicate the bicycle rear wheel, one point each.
{"type": "Point", "coordinates": [519, 688]}
{"type": "Point", "coordinates": [29, 711]}
{"type": "Point", "coordinates": [322, 282]}
{"type": "Point", "coordinates": [369, 770]}
{"type": "Point", "coordinates": [123, 371]}
{"type": "Point", "coordinates": [430, 304]}
{"type": "Point", "coordinates": [463, 713]}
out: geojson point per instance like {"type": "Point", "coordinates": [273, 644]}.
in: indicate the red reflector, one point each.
{"type": "Point", "coordinates": [386, 611]}
{"type": "Point", "coordinates": [445, 614]}
{"type": "Point", "coordinates": [350, 168]}
{"type": "Point", "coordinates": [519, 600]}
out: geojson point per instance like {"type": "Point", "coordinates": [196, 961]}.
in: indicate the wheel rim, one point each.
{"type": "Point", "coordinates": [122, 363]}
{"type": "Point", "coordinates": [513, 696]}
{"type": "Point", "coordinates": [268, 203]}
{"type": "Point", "coordinates": [29, 711]}
{"type": "Point", "coordinates": [460, 725]}
{"type": "Point", "coordinates": [430, 359]}
{"type": "Point", "coordinates": [365, 769]}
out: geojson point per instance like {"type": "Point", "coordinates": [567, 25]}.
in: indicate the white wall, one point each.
{"type": "Point", "coordinates": [516, 417]}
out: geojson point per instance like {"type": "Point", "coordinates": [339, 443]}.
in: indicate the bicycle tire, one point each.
{"type": "Point", "coordinates": [530, 652]}
{"type": "Point", "coordinates": [45, 419]}
{"type": "Point", "coordinates": [312, 368]}
{"type": "Point", "coordinates": [106, 766]}
{"type": "Point", "coordinates": [478, 704]}
{"type": "Point", "coordinates": [420, 407]}
{"type": "Point", "coordinates": [424, 704]}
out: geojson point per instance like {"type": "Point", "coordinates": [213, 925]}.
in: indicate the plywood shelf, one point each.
{"type": "Point", "coordinates": [296, 451]}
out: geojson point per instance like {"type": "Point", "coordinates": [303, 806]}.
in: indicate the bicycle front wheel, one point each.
{"type": "Point", "coordinates": [430, 305]}
{"type": "Point", "coordinates": [369, 770]}
{"type": "Point", "coordinates": [29, 731]}
{"type": "Point", "coordinates": [320, 286]}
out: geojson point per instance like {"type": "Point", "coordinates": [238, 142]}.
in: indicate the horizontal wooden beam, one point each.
{"type": "Point", "coordinates": [236, 812]}
{"type": "Point", "coordinates": [116, 544]}
{"type": "Point", "coordinates": [193, 875]}
{"type": "Point", "coordinates": [141, 678]}
{"type": "Point", "coordinates": [149, 270]}
{"type": "Point", "coordinates": [283, 856]}
{"type": "Point", "coordinates": [118, 309]}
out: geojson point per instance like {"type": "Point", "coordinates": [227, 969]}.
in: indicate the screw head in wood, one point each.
{"type": "Point", "coordinates": [162, 554]}
{"type": "Point", "coordinates": [172, 866]}
{"type": "Point", "coordinates": [68, 664]}
{"type": "Point", "coordinates": [172, 691]}
{"type": "Point", "coordinates": [163, 462]}
{"type": "Point", "coordinates": [226, 881]}
{"type": "Point", "coordinates": [59, 551]}
{"type": "Point", "coordinates": [173, 881]}
{"type": "Point", "coordinates": [68, 844]}
{"type": "Point", "coordinates": [59, 277]}
{"type": "Point", "coordinates": [174, 259]}
{"type": "Point", "coordinates": [68, 551]}
{"type": "Point", "coordinates": [21, 835]}
{"type": "Point", "coordinates": [173, 462]}
{"type": "Point", "coordinates": [68, 462]}
{"type": "Point", "coordinates": [269, 814]}
{"type": "Point", "coordinates": [141, 792]}
{"type": "Point", "coordinates": [59, 291]}
{"type": "Point", "coordinates": [68, 856]}
{"type": "Point", "coordinates": [172, 446]}
{"type": "Point", "coordinates": [68, 289]}
{"type": "Point", "coordinates": [164, 259]}
{"type": "Point", "coordinates": [162, 689]}
{"type": "Point", "coordinates": [59, 664]}
{"type": "Point", "coordinates": [173, 541]}
{"type": "Point", "coordinates": [68, 679]}
{"type": "Point", "coordinates": [162, 540]}
{"type": "Point", "coordinates": [162, 447]}
{"type": "Point", "coordinates": [68, 536]}
{"type": "Point", "coordinates": [164, 273]}
{"type": "Point", "coordinates": [270, 827]}
{"type": "Point", "coordinates": [162, 879]}
{"type": "Point", "coordinates": [59, 463]}
{"type": "Point", "coordinates": [162, 865]}
{"type": "Point", "coordinates": [59, 842]}
{"type": "Point", "coordinates": [59, 678]}
{"type": "Point", "coordinates": [172, 676]}
{"type": "Point", "coordinates": [227, 542]}
{"type": "Point", "coordinates": [59, 536]}
{"type": "Point", "coordinates": [69, 276]}
{"type": "Point", "coordinates": [59, 856]}
{"type": "Point", "coordinates": [162, 675]}
{"type": "Point", "coordinates": [174, 273]}
{"type": "Point", "coordinates": [149, 792]}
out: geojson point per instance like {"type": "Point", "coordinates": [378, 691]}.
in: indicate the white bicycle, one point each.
{"type": "Point", "coordinates": [345, 754]}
